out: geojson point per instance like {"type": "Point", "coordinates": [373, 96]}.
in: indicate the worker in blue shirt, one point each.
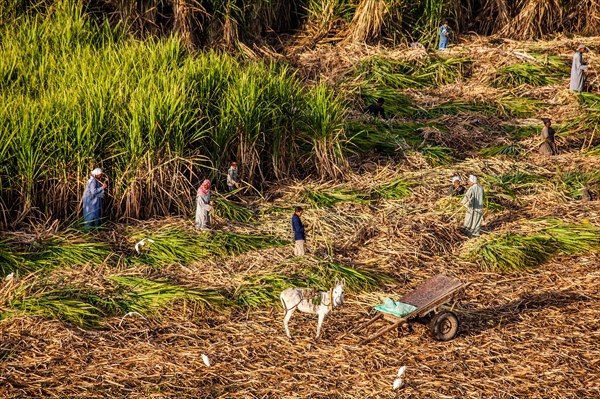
{"type": "Point", "coordinates": [299, 235]}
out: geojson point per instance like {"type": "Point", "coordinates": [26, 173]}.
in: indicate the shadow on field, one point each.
{"type": "Point", "coordinates": [480, 320]}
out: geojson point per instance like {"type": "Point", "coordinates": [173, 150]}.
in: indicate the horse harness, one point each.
{"type": "Point", "coordinates": [312, 294]}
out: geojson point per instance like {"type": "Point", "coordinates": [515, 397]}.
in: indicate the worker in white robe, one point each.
{"type": "Point", "coordinates": [578, 69]}
{"type": "Point", "coordinates": [473, 201]}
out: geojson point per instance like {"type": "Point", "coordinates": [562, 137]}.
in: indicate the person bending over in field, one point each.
{"type": "Point", "coordinates": [547, 147]}
{"type": "Point", "coordinates": [376, 108]}
{"type": "Point", "coordinates": [92, 199]}
{"type": "Point", "coordinates": [473, 201]}
{"type": "Point", "coordinates": [456, 188]}
{"type": "Point", "coordinates": [299, 234]}
{"type": "Point", "coordinates": [203, 206]}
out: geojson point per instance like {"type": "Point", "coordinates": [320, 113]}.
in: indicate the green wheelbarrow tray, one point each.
{"type": "Point", "coordinates": [425, 299]}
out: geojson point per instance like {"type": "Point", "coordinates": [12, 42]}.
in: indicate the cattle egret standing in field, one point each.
{"type": "Point", "coordinates": [141, 244]}
{"type": "Point", "coordinates": [399, 382]}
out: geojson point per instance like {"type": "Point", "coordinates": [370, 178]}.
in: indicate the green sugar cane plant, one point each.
{"type": "Point", "coordinates": [148, 297]}
{"type": "Point", "coordinates": [324, 131]}
{"type": "Point", "coordinates": [524, 73]}
{"type": "Point", "coordinates": [396, 189]}
{"type": "Point", "coordinates": [176, 246]}
{"type": "Point", "coordinates": [511, 252]}
{"type": "Point", "coordinates": [52, 302]}
{"type": "Point", "coordinates": [231, 210]}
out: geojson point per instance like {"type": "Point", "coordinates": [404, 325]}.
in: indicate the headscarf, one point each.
{"type": "Point", "coordinates": [455, 178]}
{"type": "Point", "coordinates": [473, 179]}
{"type": "Point", "coordinates": [581, 47]}
{"type": "Point", "coordinates": [204, 187]}
{"type": "Point", "coordinates": [96, 172]}
{"type": "Point", "coordinates": [546, 120]}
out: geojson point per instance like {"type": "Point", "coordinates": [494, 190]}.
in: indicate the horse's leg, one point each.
{"type": "Point", "coordinates": [286, 319]}
{"type": "Point", "coordinates": [322, 315]}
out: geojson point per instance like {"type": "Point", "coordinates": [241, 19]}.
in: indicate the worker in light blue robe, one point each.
{"type": "Point", "coordinates": [444, 34]}
{"type": "Point", "coordinates": [92, 199]}
{"type": "Point", "coordinates": [578, 69]}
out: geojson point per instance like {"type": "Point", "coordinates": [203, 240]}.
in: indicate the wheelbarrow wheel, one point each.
{"type": "Point", "coordinates": [444, 326]}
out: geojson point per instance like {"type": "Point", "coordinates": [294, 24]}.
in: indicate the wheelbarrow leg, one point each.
{"type": "Point", "coordinates": [373, 320]}
{"type": "Point", "coordinates": [368, 323]}
{"type": "Point", "coordinates": [382, 331]}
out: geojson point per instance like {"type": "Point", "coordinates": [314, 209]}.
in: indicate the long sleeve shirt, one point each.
{"type": "Point", "coordinates": [577, 72]}
{"type": "Point", "coordinates": [93, 194]}
{"type": "Point", "coordinates": [298, 228]}
{"type": "Point", "coordinates": [473, 199]}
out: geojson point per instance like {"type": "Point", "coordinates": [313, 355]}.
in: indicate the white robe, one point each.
{"type": "Point", "coordinates": [577, 72]}
{"type": "Point", "coordinates": [473, 201]}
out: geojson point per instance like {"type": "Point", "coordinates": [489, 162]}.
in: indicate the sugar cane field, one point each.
{"type": "Point", "coordinates": [163, 95]}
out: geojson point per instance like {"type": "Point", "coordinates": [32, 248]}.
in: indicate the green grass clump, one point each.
{"type": "Point", "coordinates": [571, 183]}
{"type": "Point", "coordinates": [387, 72]}
{"type": "Point", "coordinates": [324, 199]}
{"type": "Point", "coordinates": [396, 104]}
{"type": "Point", "coordinates": [148, 297]}
{"type": "Point", "coordinates": [176, 246]}
{"type": "Point", "coordinates": [520, 107]}
{"type": "Point", "coordinates": [570, 238]}
{"type": "Point", "coordinates": [382, 137]}
{"type": "Point", "coordinates": [504, 190]}
{"type": "Point", "coordinates": [231, 210]}
{"type": "Point", "coordinates": [53, 252]}
{"type": "Point", "coordinates": [13, 262]}
{"type": "Point", "coordinates": [523, 74]}
{"type": "Point", "coordinates": [60, 303]}
{"type": "Point", "coordinates": [68, 251]}
{"type": "Point", "coordinates": [396, 189]}
{"type": "Point", "coordinates": [436, 155]}
{"type": "Point", "coordinates": [521, 132]}
{"type": "Point", "coordinates": [511, 150]}
{"type": "Point", "coordinates": [511, 252]}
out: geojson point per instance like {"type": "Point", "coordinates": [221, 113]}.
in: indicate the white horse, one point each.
{"type": "Point", "coordinates": [310, 301]}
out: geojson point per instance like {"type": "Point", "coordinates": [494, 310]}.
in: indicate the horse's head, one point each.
{"type": "Point", "coordinates": [338, 292]}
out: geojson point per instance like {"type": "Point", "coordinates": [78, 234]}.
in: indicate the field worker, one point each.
{"type": "Point", "coordinates": [203, 207]}
{"type": "Point", "coordinates": [456, 188]}
{"type": "Point", "coordinates": [233, 179]}
{"type": "Point", "coordinates": [299, 235]}
{"type": "Point", "coordinates": [577, 69]}
{"type": "Point", "coordinates": [547, 147]}
{"type": "Point", "coordinates": [444, 33]}
{"type": "Point", "coordinates": [473, 201]}
{"type": "Point", "coordinates": [376, 108]}
{"type": "Point", "coordinates": [92, 199]}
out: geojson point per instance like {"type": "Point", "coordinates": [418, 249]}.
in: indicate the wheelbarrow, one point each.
{"type": "Point", "coordinates": [425, 300]}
